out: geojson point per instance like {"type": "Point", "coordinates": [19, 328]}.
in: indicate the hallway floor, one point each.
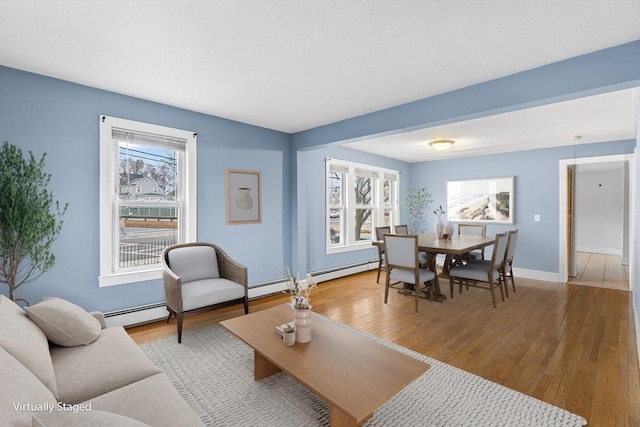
{"type": "Point", "coordinates": [601, 270]}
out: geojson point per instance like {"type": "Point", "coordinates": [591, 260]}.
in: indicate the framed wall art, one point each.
{"type": "Point", "coordinates": [487, 200]}
{"type": "Point", "coordinates": [244, 196]}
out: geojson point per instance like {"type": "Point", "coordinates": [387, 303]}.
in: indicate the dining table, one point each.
{"type": "Point", "coordinates": [453, 247]}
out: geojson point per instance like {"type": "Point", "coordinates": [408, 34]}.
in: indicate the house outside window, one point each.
{"type": "Point", "coordinates": [359, 198]}
{"type": "Point", "coordinates": [147, 197]}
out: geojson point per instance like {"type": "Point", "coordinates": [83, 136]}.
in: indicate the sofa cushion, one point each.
{"type": "Point", "coordinates": [23, 339]}
{"type": "Point", "coordinates": [110, 362]}
{"type": "Point", "coordinates": [194, 263]}
{"type": "Point", "coordinates": [20, 392]}
{"type": "Point", "coordinates": [202, 293]}
{"type": "Point", "coordinates": [93, 418]}
{"type": "Point", "coordinates": [64, 323]}
{"type": "Point", "coordinates": [156, 403]}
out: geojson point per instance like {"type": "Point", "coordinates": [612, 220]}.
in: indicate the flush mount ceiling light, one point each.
{"type": "Point", "coordinates": [441, 144]}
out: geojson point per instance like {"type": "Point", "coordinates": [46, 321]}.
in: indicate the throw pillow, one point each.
{"type": "Point", "coordinates": [64, 323]}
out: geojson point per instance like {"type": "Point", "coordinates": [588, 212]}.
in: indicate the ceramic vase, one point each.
{"type": "Point", "coordinates": [302, 320]}
{"type": "Point", "coordinates": [448, 230]}
{"type": "Point", "coordinates": [439, 227]}
{"type": "Point", "coordinates": [244, 201]}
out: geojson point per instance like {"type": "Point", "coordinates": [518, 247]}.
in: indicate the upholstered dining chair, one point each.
{"type": "Point", "coordinates": [403, 265]}
{"type": "Point", "coordinates": [476, 273]}
{"type": "Point", "coordinates": [380, 231]}
{"type": "Point", "coordinates": [402, 229]}
{"type": "Point", "coordinates": [507, 265]}
{"type": "Point", "coordinates": [201, 277]}
{"type": "Point", "coordinates": [474, 230]}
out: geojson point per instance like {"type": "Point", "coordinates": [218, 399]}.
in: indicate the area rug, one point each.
{"type": "Point", "coordinates": [213, 371]}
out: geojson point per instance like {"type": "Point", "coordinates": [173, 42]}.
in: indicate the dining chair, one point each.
{"type": "Point", "coordinates": [507, 265]}
{"type": "Point", "coordinates": [476, 273]}
{"type": "Point", "coordinates": [473, 230]}
{"type": "Point", "coordinates": [402, 229]}
{"type": "Point", "coordinates": [380, 231]}
{"type": "Point", "coordinates": [403, 266]}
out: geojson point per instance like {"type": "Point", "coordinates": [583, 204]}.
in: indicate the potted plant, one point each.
{"type": "Point", "coordinates": [416, 202]}
{"type": "Point", "coordinates": [30, 220]}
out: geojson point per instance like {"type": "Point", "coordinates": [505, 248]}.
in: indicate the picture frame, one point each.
{"type": "Point", "coordinates": [486, 200]}
{"type": "Point", "coordinates": [243, 196]}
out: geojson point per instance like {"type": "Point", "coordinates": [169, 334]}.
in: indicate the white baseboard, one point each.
{"type": "Point", "coordinates": [546, 276]}
{"type": "Point", "coordinates": [136, 315]}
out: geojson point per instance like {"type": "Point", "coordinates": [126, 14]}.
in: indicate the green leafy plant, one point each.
{"type": "Point", "coordinates": [30, 220]}
{"type": "Point", "coordinates": [417, 201]}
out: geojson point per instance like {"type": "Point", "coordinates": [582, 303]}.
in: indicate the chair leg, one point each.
{"type": "Point", "coordinates": [451, 280]}
{"type": "Point", "coordinates": [169, 318]}
{"type": "Point", "coordinates": [379, 269]}
{"type": "Point", "coordinates": [513, 283]}
{"type": "Point", "coordinates": [179, 316]}
{"type": "Point", "coordinates": [493, 294]}
{"type": "Point", "coordinates": [386, 290]}
{"type": "Point", "coordinates": [246, 306]}
{"type": "Point", "coordinates": [505, 283]}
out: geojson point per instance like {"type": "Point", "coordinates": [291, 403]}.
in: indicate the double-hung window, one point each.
{"type": "Point", "coordinates": [147, 197]}
{"type": "Point", "coordinates": [359, 198]}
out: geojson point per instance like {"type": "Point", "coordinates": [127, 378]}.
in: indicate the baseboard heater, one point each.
{"type": "Point", "coordinates": [134, 316]}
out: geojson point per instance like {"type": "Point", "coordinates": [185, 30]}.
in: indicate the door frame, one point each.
{"type": "Point", "coordinates": [563, 246]}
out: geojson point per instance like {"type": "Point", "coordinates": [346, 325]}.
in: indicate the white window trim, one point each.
{"type": "Point", "coordinates": [107, 190]}
{"type": "Point", "coordinates": [349, 204]}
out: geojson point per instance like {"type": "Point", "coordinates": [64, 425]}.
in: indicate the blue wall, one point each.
{"type": "Point", "coordinates": [536, 191]}
{"type": "Point", "coordinates": [60, 118]}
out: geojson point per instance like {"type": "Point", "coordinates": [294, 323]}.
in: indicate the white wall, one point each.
{"type": "Point", "coordinates": [599, 206]}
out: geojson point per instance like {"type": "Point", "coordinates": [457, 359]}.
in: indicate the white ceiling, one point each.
{"type": "Point", "coordinates": [295, 65]}
{"type": "Point", "coordinates": [601, 118]}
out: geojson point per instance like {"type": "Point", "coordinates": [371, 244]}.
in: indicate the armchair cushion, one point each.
{"type": "Point", "coordinates": [64, 323]}
{"type": "Point", "coordinates": [206, 292]}
{"type": "Point", "coordinates": [193, 263]}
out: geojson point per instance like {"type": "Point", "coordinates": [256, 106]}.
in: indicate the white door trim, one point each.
{"type": "Point", "coordinates": [562, 211]}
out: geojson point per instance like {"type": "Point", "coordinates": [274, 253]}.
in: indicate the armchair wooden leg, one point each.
{"type": "Point", "coordinates": [179, 316]}
{"type": "Point", "coordinates": [169, 317]}
{"type": "Point", "coordinates": [246, 306]}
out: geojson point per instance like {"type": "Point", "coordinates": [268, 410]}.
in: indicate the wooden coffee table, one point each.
{"type": "Point", "coordinates": [354, 374]}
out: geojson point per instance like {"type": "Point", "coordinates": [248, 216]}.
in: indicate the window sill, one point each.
{"type": "Point", "coordinates": [129, 277]}
{"type": "Point", "coordinates": [350, 248]}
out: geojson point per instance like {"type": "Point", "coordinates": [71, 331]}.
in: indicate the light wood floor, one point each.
{"type": "Point", "coordinates": [601, 270]}
{"type": "Point", "coordinates": [568, 345]}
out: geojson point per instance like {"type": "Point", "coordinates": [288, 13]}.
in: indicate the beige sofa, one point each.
{"type": "Point", "coordinates": [60, 366]}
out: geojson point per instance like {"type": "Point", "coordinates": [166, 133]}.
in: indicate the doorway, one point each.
{"type": "Point", "coordinates": [587, 264]}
